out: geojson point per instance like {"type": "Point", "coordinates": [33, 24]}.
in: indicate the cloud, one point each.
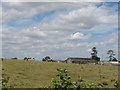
{"type": "Point", "coordinates": [66, 29]}
{"type": "Point", "coordinates": [89, 50]}
{"type": "Point", "coordinates": [80, 36]}
{"type": "Point", "coordinates": [20, 10]}
{"type": "Point", "coordinates": [85, 18]}
{"type": "Point", "coordinates": [61, 1]}
{"type": "Point", "coordinates": [34, 33]}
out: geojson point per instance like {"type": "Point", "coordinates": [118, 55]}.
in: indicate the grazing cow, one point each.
{"type": "Point", "coordinates": [29, 59]}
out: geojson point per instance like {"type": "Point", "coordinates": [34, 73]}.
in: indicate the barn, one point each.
{"type": "Point", "coordinates": [80, 60]}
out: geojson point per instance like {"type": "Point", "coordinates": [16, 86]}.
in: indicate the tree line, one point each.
{"type": "Point", "coordinates": [109, 52]}
{"type": "Point", "coordinates": [93, 55]}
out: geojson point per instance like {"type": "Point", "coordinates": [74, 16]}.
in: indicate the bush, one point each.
{"type": "Point", "coordinates": [117, 84]}
{"type": "Point", "coordinates": [14, 58]}
{"type": "Point", "coordinates": [5, 81]}
{"type": "Point", "coordinates": [64, 81]}
{"type": "Point", "coordinates": [96, 58]}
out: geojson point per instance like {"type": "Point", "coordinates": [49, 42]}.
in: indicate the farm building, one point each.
{"type": "Point", "coordinates": [80, 60]}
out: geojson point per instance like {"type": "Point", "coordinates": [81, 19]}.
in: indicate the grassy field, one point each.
{"type": "Point", "coordinates": [38, 74]}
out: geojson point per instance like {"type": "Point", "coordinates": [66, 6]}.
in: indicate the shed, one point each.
{"type": "Point", "coordinates": [80, 60]}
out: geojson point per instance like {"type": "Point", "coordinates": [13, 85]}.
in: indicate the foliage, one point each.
{"type": "Point", "coordinates": [94, 54]}
{"type": "Point", "coordinates": [25, 58]}
{"type": "Point", "coordinates": [96, 58]}
{"type": "Point", "coordinates": [81, 83]}
{"type": "Point", "coordinates": [64, 81]}
{"type": "Point", "coordinates": [15, 58]}
{"type": "Point", "coordinates": [111, 55]}
{"type": "Point", "coordinates": [117, 84]}
{"type": "Point", "coordinates": [5, 81]}
{"type": "Point", "coordinates": [114, 59]}
{"type": "Point", "coordinates": [46, 58]}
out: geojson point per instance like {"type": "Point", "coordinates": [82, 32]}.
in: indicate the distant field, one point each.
{"type": "Point", "coordinates": [38, 74]}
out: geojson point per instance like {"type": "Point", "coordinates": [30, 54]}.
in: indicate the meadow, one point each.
{"type": "Point", "coordinates": [39, 74]}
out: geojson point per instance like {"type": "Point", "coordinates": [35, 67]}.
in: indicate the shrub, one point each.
{"type": "Point", "coordinates": [117, 84]}
{"type": "Point", "coordinates": [5, 81]}
{"type": "Point", "coordinates": [14, 58]}
{"type": "Point", "coordinates": [64, 81]}
{"type": "Point", "coordinates": [105, 83]}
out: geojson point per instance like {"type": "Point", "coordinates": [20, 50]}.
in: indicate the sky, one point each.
{"type": "Point", "coordinates": [60, 0]}
{"type": "Point", "coordinates": [58, 29]}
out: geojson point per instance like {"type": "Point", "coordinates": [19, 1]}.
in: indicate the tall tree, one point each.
{"type": "Point", "coordinates": [94, 54]}
{"type": "Point", "coordinates": [111, 55]}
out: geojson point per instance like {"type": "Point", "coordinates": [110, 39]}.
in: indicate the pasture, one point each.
{"type": "Point", "coordinates": [38, 74]}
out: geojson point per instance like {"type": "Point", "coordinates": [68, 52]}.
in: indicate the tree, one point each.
{"type": "Point", "coordinates": [114, 59]}
{"type": "Point", "coordinates": [111, 55]}
{"type": "Point", "coordinates": [94, 54]}
{"type": "Point", "coordinates": [14, 58]}
{"type": "Point", "coordinates": [63, 81]}
{"type": "Point", "coordinates": [25, 58]}
{"type": "Point", "coordinates": [43, 59]}
{"type": "Point", "coordinates": [46, 58]}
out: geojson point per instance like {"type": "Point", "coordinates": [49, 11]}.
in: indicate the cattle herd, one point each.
{"type": "Point", "coordinates": [29, 59]}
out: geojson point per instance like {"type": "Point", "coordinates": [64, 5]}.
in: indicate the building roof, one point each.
{"type": "Point", "coordinates": [75, 59]}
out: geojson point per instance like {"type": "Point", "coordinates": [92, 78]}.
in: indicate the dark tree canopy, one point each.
{"type": "Point", "coordinates": [25, 58]}
{"type": "Point", "coordinates": [94, 54]}
{"type": "Point", "coordinates": [46, 58]}
{"type": "Point", "coordinates": [14, 58]}
{"type": "Point", "coordinates": [111, 55]}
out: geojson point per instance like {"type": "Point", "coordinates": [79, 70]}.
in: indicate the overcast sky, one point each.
{"type": "Point", "coordinates": [60, 0]}
{"type": "Point", "coordinates": [59, 30]}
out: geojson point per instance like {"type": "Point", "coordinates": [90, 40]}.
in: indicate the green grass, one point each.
{"type": "Point", "coordinates": [38, 74]}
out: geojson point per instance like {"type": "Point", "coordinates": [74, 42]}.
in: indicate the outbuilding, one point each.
{"type": "Point", "coordinates": [80, 60]}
